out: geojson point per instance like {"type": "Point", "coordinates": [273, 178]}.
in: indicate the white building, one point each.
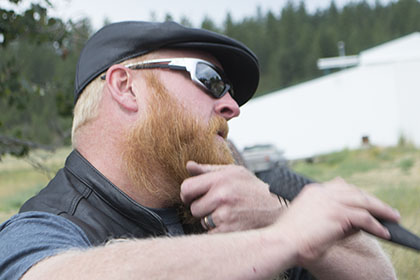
{"type": "Point", "coordinates": [379, 98]}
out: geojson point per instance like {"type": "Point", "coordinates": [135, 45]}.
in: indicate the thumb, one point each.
{"type": "Point", "coordinates": [195, 168]}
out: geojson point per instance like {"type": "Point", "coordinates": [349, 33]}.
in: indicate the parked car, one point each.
{"type": "Point", "coordinates": [263, 157]}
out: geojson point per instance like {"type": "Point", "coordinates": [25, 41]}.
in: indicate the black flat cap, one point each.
{"type": "Point", "coordinates": [120, 41]}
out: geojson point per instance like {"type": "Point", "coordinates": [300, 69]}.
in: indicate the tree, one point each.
{"type": "Point", "coordinates": [38, 54]}
{"type": "Point", "coordinates": [208, 24]}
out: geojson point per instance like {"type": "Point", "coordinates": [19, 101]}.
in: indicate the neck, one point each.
{"type": "Point", "coordinates": [105, 154]}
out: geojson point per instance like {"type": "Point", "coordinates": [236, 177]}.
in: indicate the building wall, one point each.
{"type": "Point", "coordinates": [408, 93]}
{"type": "Point", "coordinates": [380, 99]}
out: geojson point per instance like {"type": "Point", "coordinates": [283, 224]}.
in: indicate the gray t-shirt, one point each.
{"type": "Point", "coordinates": [170, 219]}
{"type": "Point", "coordinates": [27, 238]}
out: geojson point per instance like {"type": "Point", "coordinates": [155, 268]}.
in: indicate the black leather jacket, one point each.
{"type": "Point", "coordinates": [80, 193]}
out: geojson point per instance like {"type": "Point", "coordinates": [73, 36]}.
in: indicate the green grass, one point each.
{"type": "Point", "coordinates": [406, 164]}
{"type": "Point", "coordinates": [19, 180]}
{"type": "Point", "coordinates": [392, 174]}
{"type": "Point", "coordinates": [14, 201]}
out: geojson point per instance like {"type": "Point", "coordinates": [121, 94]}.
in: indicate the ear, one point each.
{"type": "Point", "coordinates": [119, 83]}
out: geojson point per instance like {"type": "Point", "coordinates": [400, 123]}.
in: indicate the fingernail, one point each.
{"type": "Point", "coordinates": [191, 162]}
{"type": "Point", "coordinates": [397, 212]}
{"type": "Point", "coordinates": [387, 234]}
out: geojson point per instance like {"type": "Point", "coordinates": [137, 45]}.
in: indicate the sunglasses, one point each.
{"type": "Point", "coordinates": [206, 75]}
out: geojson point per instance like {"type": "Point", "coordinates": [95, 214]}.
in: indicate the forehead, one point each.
{"type": "Point", "coordinates": [171, 53]}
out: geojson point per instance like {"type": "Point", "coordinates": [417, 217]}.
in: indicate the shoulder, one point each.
{"type": "Point", "coordinates": [29, 237]}
{"type": "Point", "coordinates": [30, 224]}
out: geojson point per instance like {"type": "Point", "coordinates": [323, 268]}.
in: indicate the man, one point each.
{"type": "Point", "coordinates": [151, 160]}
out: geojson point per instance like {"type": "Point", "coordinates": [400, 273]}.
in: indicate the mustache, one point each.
{"type": "Point", "coordinates": [218, 125]}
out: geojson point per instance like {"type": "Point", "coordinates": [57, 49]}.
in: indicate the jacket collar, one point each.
{"type": "Point", "coordinates": [82, 169]}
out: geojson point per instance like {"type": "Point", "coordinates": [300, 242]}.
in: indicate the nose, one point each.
{"type": "Point", "coordinates": [227, 107]}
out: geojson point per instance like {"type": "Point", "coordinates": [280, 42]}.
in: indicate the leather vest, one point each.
{"type": "Point", "coordinates": [80, 193]}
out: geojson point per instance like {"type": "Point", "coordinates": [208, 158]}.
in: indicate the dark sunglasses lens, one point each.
{"type": "Point", "coordinates": [211, 79]}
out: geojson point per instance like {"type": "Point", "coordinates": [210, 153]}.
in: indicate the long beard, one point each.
{"type": "Point", "coordinates": [159, 146]}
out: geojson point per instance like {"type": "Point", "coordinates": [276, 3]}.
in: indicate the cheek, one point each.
{"type": "Point", "coordinates": [190, 96]}
{"type": "Point", "coordinates": [201, 111]}
{"type": "Point", "coordinates": [197, 103]}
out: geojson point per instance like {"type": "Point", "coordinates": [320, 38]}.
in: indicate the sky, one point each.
{"type": "Point", "coordinates": [194, 10]}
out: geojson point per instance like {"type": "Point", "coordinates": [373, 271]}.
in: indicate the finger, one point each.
{"type": "Point", "coordinates": [220, 226]}
{"type": "Point", "coordinates": [206, 177]}
{"type": "Point", "coordinates": [362, 219]}
{"type": "Point", "coordinates": [361, 199]}
{"type": "Point", "coordinates": [204, 205]}
{"type": "Point", "coordinates": [355, 197]}
{"type": "Point", "coordinates": [193, 188]}
{"type": "Point", "coordinates": [195, 168]}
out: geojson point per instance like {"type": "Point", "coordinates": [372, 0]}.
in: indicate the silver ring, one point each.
{"type": "Point", "coordinates": [208, 222]}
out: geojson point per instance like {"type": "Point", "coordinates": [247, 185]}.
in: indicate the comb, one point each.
{"type": "Point", "coordinates": [287, 184]}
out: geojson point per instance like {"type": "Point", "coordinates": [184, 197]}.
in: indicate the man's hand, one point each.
{"type": "Point", "coordinates": [321, 215]}
{"type": "Point", "coordinates": [235, 198]}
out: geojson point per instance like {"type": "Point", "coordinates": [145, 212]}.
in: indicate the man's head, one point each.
{"type": "Point", "coordinates": [162, 99]}
{"type": "Point", "coordinates": [121, 42]}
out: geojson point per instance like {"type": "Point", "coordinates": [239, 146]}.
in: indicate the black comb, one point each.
{"type": "Point", "coordinates": [287, 184]}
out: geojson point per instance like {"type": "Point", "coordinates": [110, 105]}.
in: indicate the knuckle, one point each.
{"type": "Point", "coordinates": [221, 215]}
{"type": "Point", "coordinates": [237, 169]}
{"type": "Point", "coordinates": [222, 196]}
